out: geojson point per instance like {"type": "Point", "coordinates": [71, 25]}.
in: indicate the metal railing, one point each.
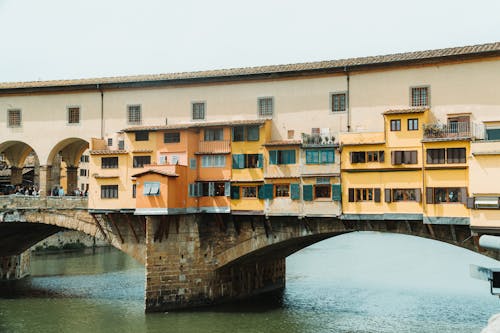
{"type": "Point", "coordinates": [453, 130]}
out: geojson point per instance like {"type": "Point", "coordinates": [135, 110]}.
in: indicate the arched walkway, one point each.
{"type": "Point", "coordinates": [17, 156]}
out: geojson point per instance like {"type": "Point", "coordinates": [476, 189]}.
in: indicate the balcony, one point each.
{"type": "Point", "coordinates": [214, 147]}
{"type": "Point", "coordinates": [453, 131]}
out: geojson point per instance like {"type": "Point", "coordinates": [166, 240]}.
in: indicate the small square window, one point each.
{"type": "Point", "coordinates": [14, 118]}
{"type": "Point", "coordinates": [73, 115]}
{"type": "Point", "coordinates": [110, 142]}
{"type": "Point", "coordinates": [396, 125]}
{"type": "Point", "coordinates": [142, 136]}
{"type": "Point", "coordinates": [282, 190]}
{"type": "Point", "coordinates": [412, 124]}
{"type": "Point", "coordinates": [420, 96]}
{"type": "Point", "coordinates": [173, 137]}
{"type": "Point", "coordinates": [265, 105]}
{"type": "Point", "coordinates": [338, 102]}
{"type": "Point", "coordinates": [198, 111]}
{"type": "Point", "coordinates": [134, 114]}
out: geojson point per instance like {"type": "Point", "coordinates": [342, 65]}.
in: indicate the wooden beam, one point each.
{"type": "Point", "coordinates": [431, 230]}
{"type": "Point", "coordinates": [99, 226]}
{"type": "Point", "coordinates": [110, 216]}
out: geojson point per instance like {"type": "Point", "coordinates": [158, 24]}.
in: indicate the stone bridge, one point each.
{"type": "Point", "coordinates": [197, 259]}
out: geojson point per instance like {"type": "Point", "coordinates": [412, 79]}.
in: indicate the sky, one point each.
{"type": "Point", "coordinates": [70, 39]}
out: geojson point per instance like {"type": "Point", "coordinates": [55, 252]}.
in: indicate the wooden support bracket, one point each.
{"type": "Point", "coordinates": [99, 226]}
{"type": "Point", "coordinates": [127, 217]}
{"type": "Point", "coordinates": [111, 218]}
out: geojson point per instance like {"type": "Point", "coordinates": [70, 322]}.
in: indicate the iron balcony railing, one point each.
{"type": "Point", "coordinates": [453, 130]}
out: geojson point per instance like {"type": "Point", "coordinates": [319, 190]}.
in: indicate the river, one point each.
{"type": "Point", "coordinates": [359, 282]}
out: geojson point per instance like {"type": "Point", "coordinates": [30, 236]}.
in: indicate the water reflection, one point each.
{"type": "Point", "coordinates": [360, 282]}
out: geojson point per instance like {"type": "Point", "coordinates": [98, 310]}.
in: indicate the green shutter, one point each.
{"type": "Point", "coordinates": [268, 191]}
{"type": "Point", "coordinates": [235, 192]}
{"type": "Point", "coordinates": [312, 157]}
{"type": "Point", "coordinates": [260, 192]}
{"type": "Point", "coordinates": [330, 156]}
{"type": "Point", "coordinates": [307, 192]}
{"type": "Point", "coordinates": [273, 157]}
{"type": "Point", "coordinates": [260, 161]}
{"type": "Point", "coordinates": [336, 192]}
{"type": "Point", "coordinates": [236, 161]}
{"type": "Point", "coordinates": [291, 157]}
{"type": "Point", "coordinates": [295, 191]}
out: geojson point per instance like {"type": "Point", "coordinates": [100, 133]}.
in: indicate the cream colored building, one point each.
{"type": "Point", "coordinates": [59, 118]}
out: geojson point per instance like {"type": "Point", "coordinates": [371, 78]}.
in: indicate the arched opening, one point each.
{"type": "Point", "coordinates": [19, 167]}
{"type": "Point", "coordinates": [63, 166]}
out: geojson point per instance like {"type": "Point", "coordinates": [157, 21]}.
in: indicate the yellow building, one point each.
{"type": "Point", "coordinates": [415, 170]}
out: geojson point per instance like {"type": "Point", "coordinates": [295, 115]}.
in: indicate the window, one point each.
{"type": "Point", "coordinates": [121, 144]}
{"type": "Point", "coordinates": [455, 155]}
{"type": "Point", "coordinates": [405, 194]}
{"type": "Point", "coordinates": [73, 115]}
{"type": "Point", "coordinates": [396, 125]}
{"type": "Point", "coordinates": [404, 157]}
{"type": "Point", "coordinates": [109, 191]}
{"type": "Point", "coordinates": [420, 96]}
{"type": "Point", "coordinates": [134, 114]}
{"type": "Point", "coordinates": [110, 142]}
{"type": "Point", "coordinates": [14, 118]}
{"type": "Point", "coordinates": [173, 137]}
{"type": "Point", "coordinates": [444, 195]}
{"type": "Point", "coordinates": [322, 191]}
{"type": "Point", "coordinates": [198, 110]}
{"type": "Point", "coordinates": [435, 156]}
{"type": "Point", "coordinates": [282, 157]}
{"type": "Point", "coordinates": [282, 190]}
{"type": "Point", "coordinates": [358, 157]}
{"type": "Point", "coordinates": [252, 133]}
{"type": "Point", "coordinates": [83, 172]}
{"type": "Point", "coordinates": [134, 190]}
{"type": "Point", "coordinates": [213, 161]}
{"type": "Point", "coordinates": [141, 161]}
{"type": "Point", "coordinates": [363, 194]}
{"type": "Point", "coordinates": [265, 105]}
{"type": "Point", "coordinates": [322, 156]}
{"type": "Point", "coordinates": [238, 133]}
{"type": "Point", "coordinates": [211, 189]}
{"type": "Point", "coordinates": [375, 156]}
{"type": "Point", "coordinates": [151, 188]}
{"type": "Point", "coordinates": [492, 133]}
{"type": "Point", "coordinates": [412, 124]}
{"type": "Point", "coordinates": [338, 102]}
{"type": "Point", "coordinates": [109, 162]}
{"type": "Point", "coordinates": [214, 134]}
{"type": "Point", "coordinates": [249, 191]}
{"type": "Point", "coordinates": [142, 136]}
{"type": "Point", "coordinates": [84, 159]}
{"type": "Point", "coordinates": [243, 161]}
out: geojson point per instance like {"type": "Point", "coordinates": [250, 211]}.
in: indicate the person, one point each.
{"type": "Point", "coordinates": [61, 191]}
{"type": "Point", "coordinates": [55, 191]}
{"type": "Point", "coordinates": [77, 192]}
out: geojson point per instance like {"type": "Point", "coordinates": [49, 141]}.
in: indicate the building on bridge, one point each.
{"type": "Point", "coordinates": [219, 175]}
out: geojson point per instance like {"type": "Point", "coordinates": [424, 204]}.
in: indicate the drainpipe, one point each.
{"type": "Point", "coordinates": [102, 110]}
{"type": "Point", "coordinates": [348, 100]}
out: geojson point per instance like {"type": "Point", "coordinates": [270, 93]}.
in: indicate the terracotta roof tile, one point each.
{"type": "Point", "coordinates": [157, 171]}
{"type": "Point", "coordinates": [108, 152]}
{"type": "Point", "coordinates": [490, 49]}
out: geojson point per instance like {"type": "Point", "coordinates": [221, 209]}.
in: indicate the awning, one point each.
{"type": "Point", "coordinates": [486, 202]}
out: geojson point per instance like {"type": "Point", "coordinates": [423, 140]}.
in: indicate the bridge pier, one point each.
{"type": "Point", "coordinates": [45, 176]}
{"type": "Point", "coordinates": [182, 270]}
{"type": "Point", "coordinates": [15, 267]}
{"type": "Point", "coordinates": [71, 178]}
{"type": "Point", "coordinates": [16, 175]}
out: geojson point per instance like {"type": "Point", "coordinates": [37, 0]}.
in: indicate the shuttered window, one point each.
{"type": "Point", "coordinates": [322, 191]}
{"type": "Point", "coordinates": [376, 195]}
{"type": "Point", "coordinates": [109, 162]}
{"type": "Point", "coordinates": [307, 192]}
{"type": "Point", "coordinates": [404, 157]}
{"type": "Point", "coordinates": [249, 191]}
{"type": "Point", "coordinates": [141, 161]}
{"type": "Point", "coordinates": [455, 155]}
{"type": "Point", "coordinates": [282, 157]}
{"type": "Point", "coordinates": [109, 191]}
{"type": "Point", "coordinates": [435, 156]}
{"type": "Point", "coordinates": [235, 192]}
{"type": "Point", "coordinates": [267, 191]}
{"type": "Point", "coordinates": [336, 192]}
{"type": "Point", "coordinates": [295, 191]}
{"type": "Point", "coordinates": [387, 195]}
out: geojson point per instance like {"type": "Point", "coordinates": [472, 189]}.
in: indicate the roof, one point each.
{"type": "Point", "coordinates": [195, 125]}
{"type": "Point", "coordinates": [156, 171]}
{"type": "Point", "coordinates": [404, 111]}
{"type": "Point", "coordinates": [272, 71]}
{"type": "Point", "coordinates": [283, 143]}
{"type": "Point", "coordinates": [108, 152]}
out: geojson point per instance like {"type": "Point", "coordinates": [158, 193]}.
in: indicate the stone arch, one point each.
{"type": "Point", "coordinates": [67, 152]}
{"type": "Point", "coordinates": [16, 154]}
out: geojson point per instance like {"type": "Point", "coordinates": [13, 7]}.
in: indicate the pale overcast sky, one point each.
{"type": "Point", "coordinates": [69, 39]}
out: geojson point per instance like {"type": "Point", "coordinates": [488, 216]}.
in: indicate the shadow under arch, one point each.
{"type": "Point", "coordinates": [16, 152]}
{"type": "Point", "coordinates": [23, 168]}
{"type": "Point", "coordinates": [70, 149]}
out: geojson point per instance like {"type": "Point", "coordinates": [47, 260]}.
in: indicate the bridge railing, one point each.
{"type": "Point", "coordinates": [15, 201]}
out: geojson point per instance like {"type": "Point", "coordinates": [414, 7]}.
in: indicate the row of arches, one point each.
{"type": "Point", "coordinates": [44, 173]}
